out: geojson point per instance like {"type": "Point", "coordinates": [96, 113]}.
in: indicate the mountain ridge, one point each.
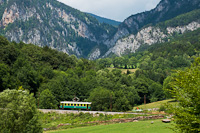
{"type": "Point", "coordinates": [106, 20]}
{"type": "Point", "coordinates": [51, 23]}
{"type": "Point", "coordinates": [166, 9]}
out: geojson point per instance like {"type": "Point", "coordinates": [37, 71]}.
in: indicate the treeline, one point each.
{"type": "Point", "coordinates": [181, 20]}
{"type": "Point", "coordinates": [158, 62]}
{"type": "Point", "coordinates": [55, 76]}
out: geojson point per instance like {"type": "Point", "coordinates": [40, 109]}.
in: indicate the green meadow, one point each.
{"type": "Point", "coordinates": [133, 127]}
{"type": "Point", "coordinates": [157, 104]}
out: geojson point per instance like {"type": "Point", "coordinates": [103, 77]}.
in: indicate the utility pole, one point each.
{"type": "Point", "coordinates": [144, 99]}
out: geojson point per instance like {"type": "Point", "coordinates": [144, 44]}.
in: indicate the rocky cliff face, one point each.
{"type": "Point", "coordinates": [165, 10]}
{"type": "Point", "coordinates": [51, 23]}
{"type": "Point", "coordinates": [149, 35]}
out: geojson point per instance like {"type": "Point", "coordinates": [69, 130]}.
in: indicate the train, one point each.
{"type": "Point", "coordinates": [75, 105]}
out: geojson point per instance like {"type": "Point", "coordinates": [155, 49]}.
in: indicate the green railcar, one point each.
{"type": "Point", "coordinates": [75, 105]}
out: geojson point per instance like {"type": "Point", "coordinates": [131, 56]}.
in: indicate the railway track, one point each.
{"type": "Point", "coordinates": [91, 112]}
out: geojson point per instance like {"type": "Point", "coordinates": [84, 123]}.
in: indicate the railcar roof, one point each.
{"type": "Point", "coordinates": [75, 102]}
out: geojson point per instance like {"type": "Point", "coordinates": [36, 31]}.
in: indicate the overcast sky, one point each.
{"type": "Point", "coordinates": [112, 9]}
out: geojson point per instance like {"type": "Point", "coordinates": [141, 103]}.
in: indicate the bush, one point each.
{"type": "Point", "coordinates": [162, 108]}
{"type": "Point", "coordinates": [186, 89]}
{"type": "Point", "coordinates": [18, 112]}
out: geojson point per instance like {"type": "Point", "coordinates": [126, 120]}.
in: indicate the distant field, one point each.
{"type": "Point", "coordinates": [156, 104]}
{"type": "Point", "coordinates": [123, 70]}
{"type": "Point", "coordinates": [134, 127]}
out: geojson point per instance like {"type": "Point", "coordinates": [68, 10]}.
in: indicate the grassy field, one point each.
{"type": "Point", "coordinates": [124, 71]}
{"type": "Point", "coordinates": [156, 104]}
{"type": "Point", "coordinates": [134, 127]}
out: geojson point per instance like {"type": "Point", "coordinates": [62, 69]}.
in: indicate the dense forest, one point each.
{"type": "Point", "coordinates": [55, 76]}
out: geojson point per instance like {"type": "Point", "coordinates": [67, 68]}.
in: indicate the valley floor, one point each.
{"type": "Point", "coordinates": [134, 127]}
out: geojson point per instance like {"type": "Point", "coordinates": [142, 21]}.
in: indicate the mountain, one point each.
{"type": "Point", "coordinates": [165, 10]}
{"type": "Point", "coordinates": [58, 26]}
{"type": "Point", "coordinates": [161, 32]}
{"type": "Point", "coordinates": [51, 23]}
{"type": "Point", "coordinates": [105, 20]}
{"type": "Point", "coordinates": [136, 24]}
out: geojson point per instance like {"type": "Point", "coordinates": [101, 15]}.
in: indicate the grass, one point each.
{"type": "Point", "coordinates": [124, 71]}
{"type": "Point", "coordinates": [135, 127]}
{"type": "Point", "coordinates": [157, 104]}
{"type": "Point", "coordinates": [50, 121]}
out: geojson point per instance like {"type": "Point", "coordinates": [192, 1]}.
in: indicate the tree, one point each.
{"type": "Point", "coordinates": [47, 100]}
{"type": "Point", "coordinates": [118, 62]}
{"type": "Point", "coordinates": [156, 92]}
{"type": "Point", "coordinates": [133, 62]}
{"type": "Point", "coordinates": [101, 99]}
{"type": "Point", "coordinates": [121, 102]}
{"type": "Point", "coordinates": [4, 76]}
{"type": "Point", "coordinates": [18, 112]}
{"type": "Point", "coordinates": [186, 90]}
{"type": "Point", "coordinates": [142, 88]}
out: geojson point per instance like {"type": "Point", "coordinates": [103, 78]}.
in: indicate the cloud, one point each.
{"type": "Point", "coordinates": [113, 9]}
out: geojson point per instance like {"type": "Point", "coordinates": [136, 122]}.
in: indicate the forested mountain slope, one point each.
{"type": "Point", "coordinates": [157, 33]}
{"type": "Point", "coordinates": [43, 69]}
{"type": "Point", "coordinates": [105, 20]}
{"type": "Point", "coordinates": [51, 23]}
{"type": "Point", "coordinates": [165, 10]}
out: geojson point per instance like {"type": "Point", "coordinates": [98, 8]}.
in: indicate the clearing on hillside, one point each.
{"type": "Point", "coordinates": [156, 104]}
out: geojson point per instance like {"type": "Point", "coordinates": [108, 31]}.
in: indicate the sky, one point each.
{"type": "Point", "coordinates": [112, 9]}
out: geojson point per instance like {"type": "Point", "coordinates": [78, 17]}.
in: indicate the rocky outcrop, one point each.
{"type": "Point", "coordinates": [95, 55]}
{"type": "Point", "coordinates": [61, 27]}
{"type": "Point", "coordinates": [10, 15]}
{"type": "Point", "coordinates": [149, 35]}
{"type": "Point", "coordinates": [53, 24]}
{"type": "Point", "coordinates": [165, 10]}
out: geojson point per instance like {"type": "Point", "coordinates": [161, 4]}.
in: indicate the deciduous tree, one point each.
{"type": "Point", "coordinates": [18, 112]}
{"type": "Point", "coordinates": [186, 90]}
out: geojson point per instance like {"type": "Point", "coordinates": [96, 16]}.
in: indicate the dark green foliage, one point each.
{"type": "Point", "coordinates": [101, 99]}
{"type": "Point", "coordinates": [59, 77]}
{"type": "Point", "coordinates": [181, 20]}
{"type": "Point", "coordinates": [155, 64]}
{"type": "Point", "coordinates": [18, 112]}
{"type": "Point", "coordinates": [185, 88]}
{"type": "Point", "coordinates": [38, 69]}
{"type": "Point", "coordinates": [4, 79]}
{"type": "Point", "coordinates": [47, 100]}
{"type": "Point", "coordinates": [162, 108]}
